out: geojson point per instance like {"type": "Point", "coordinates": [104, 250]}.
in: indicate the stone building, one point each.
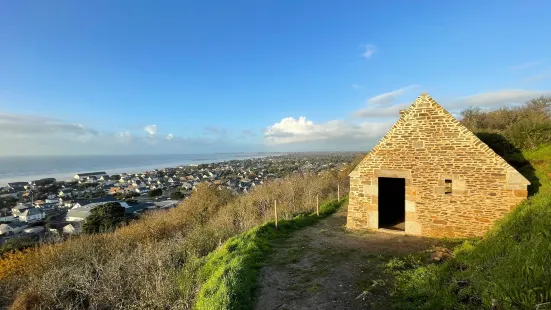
{"type": "Point", "coordinates": [431, 176]}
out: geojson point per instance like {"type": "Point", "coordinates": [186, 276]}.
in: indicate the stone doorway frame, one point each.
{"type": "Point", "coordinates": [412, 225]}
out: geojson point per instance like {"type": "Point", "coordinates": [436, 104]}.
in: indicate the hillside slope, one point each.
{"type": "Point", "coordinates": [508, 268]}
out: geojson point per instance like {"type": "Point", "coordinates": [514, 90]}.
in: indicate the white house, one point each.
{"type": "Point", "coordinates": [72, 228]}
{"type": "Point", "coordinates": [20, 208]}
{"type": "Point", "coordinates": [12, 228]}
{"type": "Point", "coordinates": [80, 176]}
{"type": "Point", "coordinates": [81, 210]}
{"type": "Point", "coordinates": [32, 215]}
{"type": "Point", "coordinates": [78, 214]}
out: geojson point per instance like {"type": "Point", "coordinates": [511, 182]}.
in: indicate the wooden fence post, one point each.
{"type": "Point", "coordinates": [275, 211]}
{"type": "Point", "coordinates": [317, 205]}
{"type": "Point", "coordinates": [338, 192]}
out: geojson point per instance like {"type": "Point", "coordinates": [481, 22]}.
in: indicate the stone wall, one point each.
{"type": "Point", "coordinates": [428, 146]}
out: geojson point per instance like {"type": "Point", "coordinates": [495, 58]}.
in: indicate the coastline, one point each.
{"type": "Point", "coordinates": [201, 159]}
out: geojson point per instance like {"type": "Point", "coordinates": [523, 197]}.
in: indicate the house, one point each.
{"type": "Point", "coordinates": [20, 208]}
{"type": "Point", "coordinates": [96, 175]}
{"type": "Point", "coordinates": [33, 230]}
{"type": "Point", "coordinates": [72, 228]}
{"type": "Point", "coordinates": [18, 186]}
{"type": "Point", "coordinates": [12, 228]}
{"type": "Point", "coordinates": [430, 176]}
{"type": "Point", "coordinates": [92, 203]}
{"type": "Point", "coordinates": [139, 208]}
{"type": "Point", "coordinates": [65, 202]}
{"type": "Point", "coordinates": [6, 218]}
{"type": "Point", "coordinates": [46, 206]}
{"type": "Point", "coordinates": [82, 208]}
{"type": "Point", "coordinates": [141, 190]}
{"type": "Point", "coordinates": [32, 215]}
{"type": "Point", "coordinates": [78, 214]}
{"type": "Point", "coordinates": [104, 177]}
{"type": "Point", "coordinates": [114, 190]}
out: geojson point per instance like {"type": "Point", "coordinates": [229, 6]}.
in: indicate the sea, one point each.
{"type": "Point", "coordinates": [29, 168]}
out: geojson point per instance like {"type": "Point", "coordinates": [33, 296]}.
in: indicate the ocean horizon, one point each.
{"type": "Point", "coordinates": [64, 167]}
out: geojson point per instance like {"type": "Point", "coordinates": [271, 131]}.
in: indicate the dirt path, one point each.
{"type": "Point", "coordinates": [326, 267]}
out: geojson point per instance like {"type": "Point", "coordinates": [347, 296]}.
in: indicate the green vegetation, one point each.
{"type": "Point", "coordinates": [227, 277]}
{"type": "Point", "coordinates": [177, 195]}
{"type": "Point", "coordinates": [524, 127]}
{"type": "Point", "coordinates": [17, 244]}
{"type": "Point", "coordinates": [104, 218]}
{"type": "Point", "coordinates": [156, 192]}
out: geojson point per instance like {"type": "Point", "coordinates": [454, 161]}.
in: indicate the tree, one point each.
{"type": "Point", "coordinates": [156, 192]}
{"type": "Point", "coordinates": [177, 195]}
{"type": "Point", "coordinates": [104, 218]}
{"type": "Point", "coordinates": [17, 244]}
{"type": "Point", "coordinates": [115, 177]}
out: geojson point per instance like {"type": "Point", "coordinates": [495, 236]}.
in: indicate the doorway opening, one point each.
{"type": "Point", "coordinates": [392, 203]}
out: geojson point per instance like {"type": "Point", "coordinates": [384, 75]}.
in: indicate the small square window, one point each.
{"type": "Point", "coordinates": [448, 187]}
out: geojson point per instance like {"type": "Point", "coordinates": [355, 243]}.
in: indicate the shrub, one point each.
{"type": "Point", "coordinates": [104, 218]}
{"type": "Point", "coordinates": [524, 127]}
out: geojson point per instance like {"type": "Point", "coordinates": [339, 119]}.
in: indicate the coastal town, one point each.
{"type": "Point", "coordinates": [44, 208]}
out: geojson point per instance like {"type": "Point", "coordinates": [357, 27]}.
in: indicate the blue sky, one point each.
{"type": "Point", "coordinates": [100, 77]}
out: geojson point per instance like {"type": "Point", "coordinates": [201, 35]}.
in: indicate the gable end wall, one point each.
{"type": "Point", "coordinates": [426, 147]}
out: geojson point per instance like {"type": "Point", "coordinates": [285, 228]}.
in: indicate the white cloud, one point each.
{"type": "Point", "coordinates": [390, 96]}
{"type": "Point", "coordinates": [370, 49]}
{"type": "Point", "coordinates": [498, 98]}
{"type": "Point", "coordinates": [170, 136]}
{"type": "Point", "coordinates": [374, 112]}
{"type": "Point", "coordinates": [291, 130]}
{"type": "Point", "coordinates": [525, 65]}
{"type": "Point", "coordinates": [151, 129]}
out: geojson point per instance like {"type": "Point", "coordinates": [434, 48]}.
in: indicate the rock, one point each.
{"type": "Point", "coordinates": [440, 254]}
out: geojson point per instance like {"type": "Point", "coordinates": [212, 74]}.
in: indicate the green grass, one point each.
{"type": "Point", "coordinates": [227, 276]}
{"type": "Point", "coordinates": [510, 268]}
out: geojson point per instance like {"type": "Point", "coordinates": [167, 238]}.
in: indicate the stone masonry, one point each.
{"type": "Point", "coordinates": [426, 147]}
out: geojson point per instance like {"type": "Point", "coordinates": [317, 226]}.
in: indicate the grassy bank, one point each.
{"type": "Point", "coordinates": [227, 277]}
{"type": "Point", "coordinates": [507, 269]}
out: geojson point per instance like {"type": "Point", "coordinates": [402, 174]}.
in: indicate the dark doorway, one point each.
{"type": "Point", "coordinates": [392, 203]}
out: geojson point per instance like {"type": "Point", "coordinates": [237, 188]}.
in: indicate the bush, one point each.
{"type": "Point", "coordinates": [17, 244]}
{"type": "Point", "coordinates": [524, 127]}
{"type": "Point", "coordinates": [104, 218]}
{"type": "Point", "coordinates": [156, 192]}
